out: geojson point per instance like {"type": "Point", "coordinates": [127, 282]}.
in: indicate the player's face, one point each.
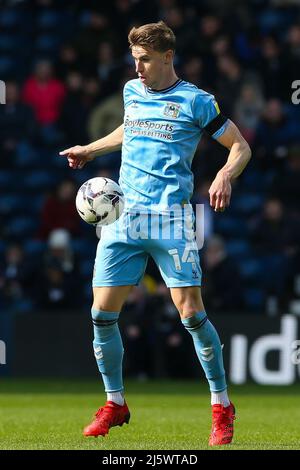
{"type": "Point", "coordinates": [151, 65]}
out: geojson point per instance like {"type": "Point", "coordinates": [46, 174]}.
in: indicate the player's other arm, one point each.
{"type": "Point", "coordinates": [239, 156]}
{"type": "Point", "coordinates": [79, 155]}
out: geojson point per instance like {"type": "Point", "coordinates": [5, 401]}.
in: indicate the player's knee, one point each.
{"type": "Point", "coordinates": [188, 311]}
{"type": "Point", "coordinates": [187, 308]}
{"type": "Point", "coordinates": [102, 306]}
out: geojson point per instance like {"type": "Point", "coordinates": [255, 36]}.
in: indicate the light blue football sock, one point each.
{"type": "Point", "coordinates": [208, 348]}
{"type": "Point", "coordinates": [108, 349]}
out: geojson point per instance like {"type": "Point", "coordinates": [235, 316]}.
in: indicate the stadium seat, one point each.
{"type": "Point", "coordinates": [230, 226]}
{"type": "Point", "coordinates": [9, 42]}
{"type": "Point", "coordinates": [34, 247]}
{"type": "Point", "coordinates": [40, 180]}
{"type": "Point", "coordinates": [254, 299]}
{"type": "Point", "coordinates": [256, 181]}
{"type": "Point", "coordinates": [246, 204]}
{"type": "Point", "coordinates": [7, 66]}
{"type": "Point", "coordinates": [86, 268]}
{"type": "Point", "coordinates": [47, 43]}
{"type": "Point", "coordinates": [10, 18]}
{"type": "Point", "coordinates": [238, 248]}
{"type": "Point", "coordinates": [7, 180]}
{"type": "Point", "coordinates": [81, 176]}
{"type": "Point", "coordinates": [11, 203]}
{"type": "Point", "coordinates": [21, 227]}
{"type": "Point", "coordinates": [84, 248]}
{"type": "Point", "coordinates": [252, 270]}
{"type": "Point", "coordinates": [49, 19]}
{"type": "Point", "coordinates": [3, 247]}
{"type": "Point", "coordinates": [26, 155]}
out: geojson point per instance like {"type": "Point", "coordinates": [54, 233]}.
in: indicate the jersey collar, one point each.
{"type": "Point", "coordinates": [164, 90]}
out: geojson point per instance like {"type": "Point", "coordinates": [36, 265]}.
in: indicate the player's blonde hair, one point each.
{"type": "Point", "coordinates": [156, 36]}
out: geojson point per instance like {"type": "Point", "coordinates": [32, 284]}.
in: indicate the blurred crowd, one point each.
{"type": "Point", "coordinates": [64, 66]}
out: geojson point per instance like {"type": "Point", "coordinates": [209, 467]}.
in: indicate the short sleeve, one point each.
{"type": "Point", "coordinates": [208, 116]}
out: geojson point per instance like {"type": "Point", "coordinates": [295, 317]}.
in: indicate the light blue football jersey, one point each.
{"type": "Point", "coordinates": [161, 132]}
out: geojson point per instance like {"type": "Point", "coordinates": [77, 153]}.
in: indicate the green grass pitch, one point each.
{"type": "Point", "coordinates": [50, 414]}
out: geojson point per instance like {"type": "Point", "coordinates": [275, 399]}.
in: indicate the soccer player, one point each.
{"type": "Point", "coordinates": [163, 123]}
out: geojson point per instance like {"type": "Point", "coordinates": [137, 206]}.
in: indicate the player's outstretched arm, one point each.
{"type": "Point", "coordinates": [239, 156]}
{"type": "Point", "coordinates": [79, 155]}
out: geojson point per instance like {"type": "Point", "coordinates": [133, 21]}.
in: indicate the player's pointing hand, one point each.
{"type": "Point", "coordinates": [77, 156]}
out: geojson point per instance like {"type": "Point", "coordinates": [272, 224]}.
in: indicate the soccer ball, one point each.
{"type": "Point", "coordinates": [100, 201]}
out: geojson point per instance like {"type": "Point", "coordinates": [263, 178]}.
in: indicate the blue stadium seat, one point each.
{"type": "Point", "coordinates": [26, 155]}
{"type": "Point", "coordinates": [9, 42]}
{"type": "Point", "coordinates": [47, 43]}
{"type": "Point", "coordinates": [7, 180]}
{"type": "Point", "coordinates": [34, 247]}
{"type": "Point", "coordinates": [230, 226]}
{"type": "Point", "coordinates": [83, 175]}
{"type": "Point", "coordinates": [252, 270]}
{"type": "Point", "coordinates": [22, 227]}
{"type": "Point", "coordinates": [88, 293]}
{"type": "Point", "coordinates": [10, 18]}
{"type": "Point", "coordinates": [11, 203]}
{"type": "Point", "coordinates": [86, 268]}
{"type": "Point", "coordinates": [7, 66]}
{"type": "Point", "coordinates": [246, 204]}
{"type": "Point", "coordinates": [40, 180]}
{"type": "Point", "coordinates": [49, 19]}
{"type": "Point", "coordinates": [84, 248]}
{"type": "Point", "coordinates": [238, 248]}
{"type": "Point", "coordinates": [3, 247]}
{"type": "Point", "coordinates": [254, 299]}
{"type": "Point", "coordinates": [256, 181]}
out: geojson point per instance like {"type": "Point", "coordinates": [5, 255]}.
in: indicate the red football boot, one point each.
{"type": "Point", "coordinates": [222, 425]}
{"type": "Point", "coordinates": [106, 417]}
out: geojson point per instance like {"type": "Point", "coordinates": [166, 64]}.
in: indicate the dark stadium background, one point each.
{"type": "Point", "coordinates": [248, 55]}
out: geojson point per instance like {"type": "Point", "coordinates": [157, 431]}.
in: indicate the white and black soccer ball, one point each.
{"type": "Point", "coordinates": [100, 201]}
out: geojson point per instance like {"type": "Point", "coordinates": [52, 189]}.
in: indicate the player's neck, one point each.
{"type": "Point", "coordinates": [166, 81]}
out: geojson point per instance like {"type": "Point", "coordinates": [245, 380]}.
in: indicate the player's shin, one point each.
{"type": "Point", "coordinates": [209, 351]}
{"type": "Point", "coordinates": [108, 350]}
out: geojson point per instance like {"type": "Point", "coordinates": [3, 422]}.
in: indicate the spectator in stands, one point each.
{"type": "Point", "coordinates": [275, 132]}
{"type": "Point", "coordinates": [68, 61]}
{"type": "Point", "coordinates": [108, 67]}
{"type": "Point", "coordinates": [95, 28]}
{"type": "Point", "coordinates": [109, 113]}
{"type": "Point", "coordinates": [292, 57]}
{"type": "Point", "coordinates": [285, 185]}
{"type": "Point", "coordinates": [81, 98]}
{"type": "Point", "coordinates": [272, 69]}
{"type": "Point", "coordinates": [59, 210]}
{"type": "Point", "coordinates": [248, 108]}
{"type": "Point", "coordinates": [60, 285]}
{"type": "Point", "coordinates": [229, 82]}
{"type": "Point", "coordinates": [17, 124]}
{"type": "Point", "coordinates": [192, 71]}
{"type": "Point", "coordinates": [276, 235]}
{"type": "Point", "coordinates": [275, 231]}
{"type": "Point", "coordinates": [17, 275]}
{"type": "Point", "coordinates": [222, 283]}
{"type": "Point", "coordinates": [44, 93]}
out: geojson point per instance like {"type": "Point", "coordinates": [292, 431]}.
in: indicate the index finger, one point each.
{"type": "Point", "coordinates": [65, 152]}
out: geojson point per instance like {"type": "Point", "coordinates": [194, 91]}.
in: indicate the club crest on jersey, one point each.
{"type": "Point", "coordinates": [172, 110]}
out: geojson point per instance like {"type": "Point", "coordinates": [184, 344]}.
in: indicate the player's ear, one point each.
{"type": "Point", "coordinates": [169, 56]}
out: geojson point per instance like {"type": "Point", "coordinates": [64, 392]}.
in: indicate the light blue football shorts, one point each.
{"type": "Point", "coordinates": [125, 246]}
